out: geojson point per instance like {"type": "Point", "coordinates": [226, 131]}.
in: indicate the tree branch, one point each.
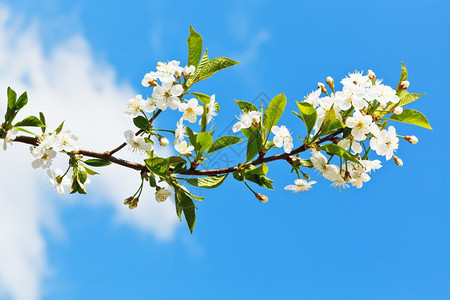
{"type": "Point", "coordinates": [140, 167]}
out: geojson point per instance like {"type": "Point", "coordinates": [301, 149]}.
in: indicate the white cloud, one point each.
{"type": "Point", "coordinates": [67, 84]}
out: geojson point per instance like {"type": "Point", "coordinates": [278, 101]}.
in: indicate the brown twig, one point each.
{"type": "Point", "coordinates": [192, 171]}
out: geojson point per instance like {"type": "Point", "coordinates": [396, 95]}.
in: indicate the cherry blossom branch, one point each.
{"type": "Point", "coordinates": [139, 167]}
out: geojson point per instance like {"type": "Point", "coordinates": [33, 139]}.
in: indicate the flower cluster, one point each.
{"type": "Point", "coordinates": [360, 106]}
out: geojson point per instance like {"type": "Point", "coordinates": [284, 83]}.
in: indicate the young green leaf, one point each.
{"type": "Point", "coordinates": [195, 46]}
{"type": "Point", "coordinates": [12, 97]}
{"type": "Point", "coordinates": [22, 101]}
{"type": "Point", "coordinates": [213, 66]}
{"type": "Point", "coordinates": [30, 121]}
{"type": "Point", "coordinates": [185, 204]}
{"type": "Point", "coordinates": [246, 106]}
{"type": "Point", "coordinates": [339, 151]}
{"type": "Point", "coordinates": [60, 127]}
{"type": "Point", "coordinates": [254, 144]}
{"type": "Point", "coordinates": [274, 111]}
{"type": "Point", "coordinates": [140, 122]}
{"type": "Point", "coordinates": [403, 75]}
{"type": "Point", "coordinates": [204, 140]}
{"type": "Point", "coordinates": [224, 142]}
{"type": "Point", "coordinates": [330, 122]}
{"type": "Point", "coordinates": [192, 138]}
{"type": "Point", "coordinates": [203, 98]}
{"type": "Point", "coordinates": [309, 115]}
{"type": "Point", "coordinates": [158, 165]}
{"type": "Point", "coordinates": [207, 182]}
{"type": "Point", "coordinates": [201, 65]}
{"type": "Point", "coordinates": [411, 116]}
{"type": "Point", "coordinates": [97, 162]}
{"type": "Point", "coordinates": [42, 119]}
{"type": "Point", "coordinates": [408, 98]}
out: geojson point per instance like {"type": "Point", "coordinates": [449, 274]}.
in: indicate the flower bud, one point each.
{"type": "Point", "coordinates": [262, 198]}
{"type": "Point", "coordinates": [398, 110]}
{"type": "Point", "coordinates": [307, 177]}
{"type": "Point", "coordinates": [162, 194]}
{"type": "Point", "coordinates": [188, 71]}
{"type": "Point", "coordinates": [412, 139]}
{"type": "Point", "coordinates": [330, 82]}
{"type": "Point", "coordinates": [133, 204]}
{"type": "Point", "coordinates": [128, 200]}
{"type": "Point", "coordinates": [404, 85]}
{"type": "Point", "coordinates": [398, 161]}
{"type": "Point", "coordinates": [383, 105]}
{"type": "Point", "coordinates": [371, 75]}
{"type": "Point", "coordinates": [177, 73]}
{"type": "Point", "coordinates": [321, 86]}
{"type": "Point", "coordinates": [163, 141]}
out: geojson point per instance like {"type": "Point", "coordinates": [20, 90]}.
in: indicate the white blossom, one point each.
{"type": "Point", "coordinates": [358, 178]}
{"type": "Point", "coordinates": [356, 80]}
{"type": "Point", "coordinates": [167, 94]}
{"type": "Point", "coordinates": [360, 125]}
{"type": "Point", "coordinates": [183, 148]}
{"type": "Point", "coordinates": [150, 79]}
{"type": "Point", "coordinates": [167, 70]}
{"type": "Point", "coordinates": [162, 194]}
{"type": "Point", "coordinates": [350, 143]}
{"type": "Point", "coordinates": [300, 185]}
{"type": "Point", "coordinates": [137, 143]}
{"type": "Point", "coordinates": [64, 141]}
{"type": "Point", "coordinates": [11, 135]}
{"type": "Point", "coordinates": [211, 108]}
{"type": "Point", "coordinates": [45, 160]}
{"type": "Point", "coordinates": [385, 143]}
{"type": "Point", "coordinates": [313, 97]}
{"type": "Point", "coordinates": [59, 183]}
{"type": "Point", "coordinates": [191, 110]}
{"type": "Point", "coordinates": [150, 105]}
{"type": "Point", "coordinates": [282, 138]}
{"type": "Point", "coordinates": [246, 120]}
{"type": "Point", "coordinates": [135, 106]}
{"type": "Point", "coordinates": [180, 132]}
{"type": "Point", "coordinates": [383, 94]}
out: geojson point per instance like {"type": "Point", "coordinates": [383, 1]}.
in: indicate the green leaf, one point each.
{"type": "Point", "coordinates": [188, 207]}
{"type": "Point", "coordinates": [224, 142]}
{"type": "Point", "coordinates": [204, 140]}
{"type": "Point", "coordinates": [408, 98]}
{"type": "Point", "coordinates": [192, 138]}
{"type": "Point", "coordinates": [195, 46]}
{"type": "Point", "coordinates": [178, 164]}
{"type": "Point", "coordinates": [30, 121]}
{"type": "Point", "coordinates": [60, 127]}
{"type": "Point", "coordinates": [261, 170]}
{"type": "Point", "coordinates": [97, 162]}
{"type": "Point", "coordinates": [140, 122]}
{"type": "Point", "coordinates": [257, 176]}
{"type": "Point", "coordinates": [213, 66]}
{"type": "Point", "coordinates": [203, 98]}
{"type": "Point", "coordinates": [90, 171]}
{"type": "Point", "coordinates": [254, 144]}
{"type": "Point", "coordinates": [207, 182]}
{"type": "Point", "coordinates": [203, 62]}
{"type": "Point", "coordinates": [339, 151]}
{"type": "Point", "coordinates": [42, 118]}
{"type": "Point", "coordinates": [403, 75]}
{"type": "Point", "coordinates": [246, 106]}
{"type": "Point", "coordinates": [158, 165]}
{"type": "Point", "coordinates": [411, 116]}
{"type": "Point", "coordinates": [274, 111]}
{"type": "Point", "coordinates": [12, 97]}
{"type": "Point", "coordinates": [330, 123]}
{"type": "Point", "coordinates": [152, 180]}
{"type": "Point", "coordinates": [309, 115]}
{"type": "Point", "coordinates": [21, 102]}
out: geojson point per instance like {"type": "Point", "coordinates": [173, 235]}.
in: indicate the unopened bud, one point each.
{"type": "Point", "coordinates": [404, 85]}
{"type": "Point", "coordinates": [163, 141]}
{"type": "Point", "coordinates": [128, 200]}
{"type": "Point", "coordinates": [371, 75]}
{"type": "Point", "coordinates": [178, 73]}
{"type": "Point", "coordinates": [321, 86]}
{"type": "Point", "coordinates": [262, 198]}
{"type": "Point", "coordinates": [398, 110]}
{"type": "Point", "coordinates": [330, 82]}
{"type": "Point", "coordinates": [307, 177]}
{"type": "Point", "coordinates": [383, 105]}
{"type": "Point", "coordinates": [398, 161]}
{"type": "Point", "coordinates": [412, 139]}
{"type": "Point", "coordinates": [187, 71]}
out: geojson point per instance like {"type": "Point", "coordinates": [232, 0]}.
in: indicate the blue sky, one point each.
{"type": "Point", "coordinates": [388, 240]}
